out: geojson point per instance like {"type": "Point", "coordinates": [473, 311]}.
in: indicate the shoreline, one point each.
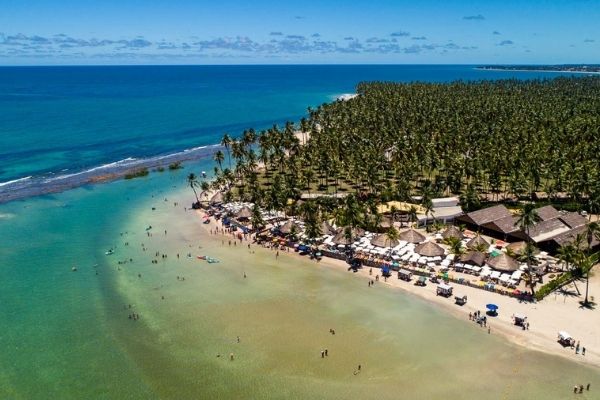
{"type": "Point", "coordinates": [539, 338]}
{"type": "Point", "coordinates": [538, 70]}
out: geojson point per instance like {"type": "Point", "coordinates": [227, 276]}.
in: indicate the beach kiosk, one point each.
{"type": "Point", "coordinates": [405, 275]}
{"type": "Point", "coordinates": [444, 290]}
{"type": "Point", "coordinates": [460, 300]}
{"type": "Point", "coordinates": [565, 339]}
{"type": "Point", "coordinates": [422, 281]}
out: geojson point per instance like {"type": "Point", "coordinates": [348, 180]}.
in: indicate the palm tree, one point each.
{"type": "Point", "coordinates": [587, 262]}
{"type": "Point", "coordinates": [529, 217]}
{"type": "Point", "coordinates": [312, 226]}
{"type": "Point", "coordinates": [412, 214]}
{"type": "Point", "coordinates": [219, 157]}
{"type": "Point", "coordinates": [193, 182]}
{"type": "Point", "coordinates": [455, 245]}
{"type": "Point", "coordinates": [592, 232]}
{"type": "Point", "coordinates": [567, 254]}
{"type": "Point", "coordinates": [226, 142]}
{"type": "Point", "coordinates": [256, 219]}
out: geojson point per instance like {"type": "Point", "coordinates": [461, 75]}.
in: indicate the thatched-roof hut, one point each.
{"type": "Point", "coordinates": [286, 228]}
{"type": "Point", "coordinates": [384, 240]}
{"type": "Point", "coordinates": [477, 241]}
{"type": "Point", "coordinates": [452, 232]}
{"type": "Point", "coordinates": [340, 238]}
{"type": "Point", "coordinates": [473, 257]}
{"type": "Point", "coordinates": [244, 212]}
{"type": "Point", "coordinates": [217, 198]}
{"type": "Point", "coordinates": [327, 229]}
{"type": "Point", "coordinates": [429, 249]}
{"type": "Point", "coordinates": [503, 262]}
{"type": "Point", "coordinates": [411, 236]}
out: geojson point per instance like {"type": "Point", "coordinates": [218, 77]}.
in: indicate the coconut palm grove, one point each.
{"type": "Point", "coordinates": [489, 140]}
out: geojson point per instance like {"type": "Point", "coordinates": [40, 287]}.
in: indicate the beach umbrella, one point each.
{"type": "Point", "coordinates": [411, 236]}
{"type": "Point", "coordinates": [217, 198]}
{"type": "Point", "coordinates": [429, 249]}
{"type": "Point", "coordinates": [244, 212]}
{"type": "Point", "coordinates": [477, 241]}
{"type": "Point", "coordinates": [384, 241]}
{"type": "Point", "coordinates": [503, 262]}
{"type": "Point", "coordinates": [491, 307]}
{"type": "Point", "coordinates": [453, 232]}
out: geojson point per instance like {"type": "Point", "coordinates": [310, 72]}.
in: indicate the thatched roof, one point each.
{"type": "Point", "coordinates": [476, 242]}
{"type": "Point", "coordinates": [340, 238]}
{"type": "Point", "coordinates": [429, 249]}
{"type": "Point", "coordinates": [486, 215]}
{"type": "Point", "coordinates": [452, 231]}
{"type": "Point", "coordinates": [217, 198]}
{"type": "Point", "coordinates": [504, 225]}
{"type": "Point", "coordinates": [545, 230]}
{"type": "Point", "coordinates": [384, 241]}
{"type": "Point", "coordinates": [569, 237]}
{"type": "Point", "coordinates": [573, 220]}
{"type": "Point", "coordinates": [244, 212]}
{"type": "Point", "coordinates": [287, 227]}
{"type": "Point", "coordinates": [473, 257]}
{"type": "Point", "coordinates": [411, 236]}
{"type": "Point", "coordinates": [547, 212]}
{"type": "Point", "coordinates": [327, 229]}
{"type": "Point", "coordinates": [503, 262]}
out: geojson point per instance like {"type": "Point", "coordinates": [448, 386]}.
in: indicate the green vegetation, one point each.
{"type": "Point", "coordinates": [174, 166]}
{"type": "Point", "coordinates": [137, 173]}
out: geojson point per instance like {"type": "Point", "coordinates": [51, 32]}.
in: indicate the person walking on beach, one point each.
{"type": "Point", "coordinates": [326, 353]}
{"type": "Point", "coordinates": [583, 351]}
{"type": "Point", "coordinates": [588, 387]}
{"type": "Point", "coordinates": [322, 354]}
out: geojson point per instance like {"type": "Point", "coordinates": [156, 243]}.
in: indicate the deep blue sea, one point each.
{"type": "Point", "coordinates": [59, 120]}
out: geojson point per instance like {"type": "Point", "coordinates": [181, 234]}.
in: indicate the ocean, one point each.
{"type": "Point", "coordinates": [66, 334]}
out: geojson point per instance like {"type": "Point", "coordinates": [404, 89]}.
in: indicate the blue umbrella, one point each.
{"type": "Point", "coordinates": [492, 307]}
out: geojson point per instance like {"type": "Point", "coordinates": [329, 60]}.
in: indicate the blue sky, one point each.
{"type": "Point", "coordinates": [37, 32]}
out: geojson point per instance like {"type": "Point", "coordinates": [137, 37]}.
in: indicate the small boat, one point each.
{"type": "Point", "coordinates": [109, 252]}
{"type": "Point", "coordinates": [74, 269]}
{"type": "Point", "coordinates": [208, 259]}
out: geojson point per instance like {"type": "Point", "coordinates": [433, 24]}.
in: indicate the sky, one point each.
{"type": "Point", "coordinates": [67, 32]}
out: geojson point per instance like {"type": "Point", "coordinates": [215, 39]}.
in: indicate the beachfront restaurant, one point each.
{"type": "Point", "coordinates": [553, 229]}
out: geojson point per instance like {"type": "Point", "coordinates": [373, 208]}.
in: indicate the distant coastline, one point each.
{"type": "Point", "coordinates": [575, 69]}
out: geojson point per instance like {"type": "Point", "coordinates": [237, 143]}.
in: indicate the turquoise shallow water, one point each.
{"type": "Point", "coordinates": [66, 334]}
